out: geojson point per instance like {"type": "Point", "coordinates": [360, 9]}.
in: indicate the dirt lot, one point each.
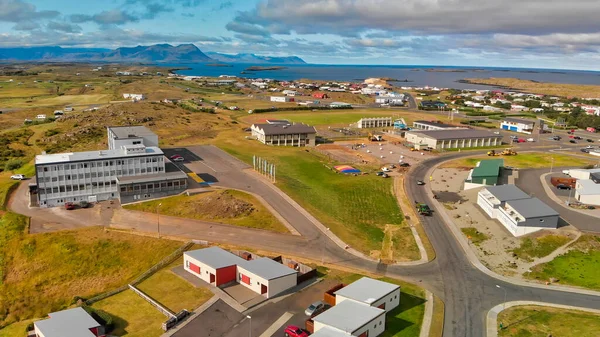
{"type": "Point", "coordinates": [492, 243]}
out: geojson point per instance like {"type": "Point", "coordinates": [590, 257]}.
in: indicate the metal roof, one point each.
{"type": "Point", "coordinates": [93, 155]}
{"type": "Point", "coordinates": [507, 192]}
{"type": "Point", "coordinates": [437, 124]}
{"type": "Point", "coordinates": [588, 187]}
{"type": "Point", "coordinates": [148, 178]}
{"type": "Point", "coordinates": [74, 322]}
{"type": "Point", "coordinates": [279, 129]}
{"type": "Point", "coordinates": [329, 332]}
{"type": "Point", "coordinates": [278, 121]}
{"type": "Point", "coordinates": [136, 131]}
{"type": "Point", "coordinates": [215, 257]}
{"type": "Point", "coordinates": [266, 268]}
{"type": "Point", "coordinates": [531, 208]}
{"type": "Point", "coordinates": [518, 120]}
{"type": "Point", "coordinates": [488, 168]}
{"type": "Point", "coordinates": [367, 290]}
{"type": "Point", "coordinates": [349, 316]}
{"type": "Point", "coordinates": [457, 133]}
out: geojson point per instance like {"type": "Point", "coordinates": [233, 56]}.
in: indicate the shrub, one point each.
{"type": "Point", "coordinates": [101, 316]}
{"type": "Point", "coordinates": [13, 164]}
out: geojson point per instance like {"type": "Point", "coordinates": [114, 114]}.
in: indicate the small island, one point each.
{"type": "Point", "coordinates": [261, 68]}
{"type": "Point", "coordinates": [223, 65]}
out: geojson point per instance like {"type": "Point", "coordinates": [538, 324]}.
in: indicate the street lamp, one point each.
{"type": "Point", "coordinates": [504, 303]}
{"type": "Point", "coordinates": [158, 219]}
{"type": "Point", "coordinates": [250, 330]}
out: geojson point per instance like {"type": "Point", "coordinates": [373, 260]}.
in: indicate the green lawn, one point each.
{"type": "Point", "coordinates": [406, 319]}
{"type": "Point", "coordinates": [174, 292]}
{"type": "Point", "coordinates": [536, 321]}
{"type": "Point", "coordinates": [526, 160]}
{"type": "Point", "coordinates": [540, 247]}
{"type": "Point", "coordinates": [15, 329]}
{"type": "Point", "coordinates": [65, 264]}
{"type": "Point", "coordinates": [474, 235]}
{"type": "Point", "coordinates": [217, 206]}
{"type": "Point", "coordinates": [578, 267]}
{"type": "Point", "coordinates": [132, 315]}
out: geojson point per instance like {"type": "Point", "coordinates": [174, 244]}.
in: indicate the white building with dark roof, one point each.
{"type": "Point", "coordinates": [74, 322]}
{"type": "Point", "coordinates": [491, 198]}
{"type": "Point", "coordinates": [284, 134]}
{"type": "Point", "coordinates": [453, 138]}
{"type": "Point", "coordinates": [526, 216]}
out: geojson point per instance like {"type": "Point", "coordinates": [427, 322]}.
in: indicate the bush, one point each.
{"type": "Point", "coordinates": [101, 316]}
{"type": "Point", "coordinates": [29, 327]}
{"type": "Point", "coordinates": [13, 164]}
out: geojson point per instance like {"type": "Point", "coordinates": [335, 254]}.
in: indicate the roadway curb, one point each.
{"type": "Point", "coordinates": [427, 315]}
{"type": "Point", "coordinates": [492, 315]}
{"type": "Point", "coordinates": [460, 238]}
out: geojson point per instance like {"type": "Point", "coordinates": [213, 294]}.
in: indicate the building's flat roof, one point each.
{"type": "Point", "coordinates": [367, 290]}
{"type": "Point", "coordinates": [518, 120]}
{"type": "Point", "coordinates": [531, 208]}
{"type": "Point", "coordinates": [93, 155]}
{"type": "Point", "coordinates": [329, 332]}
{"type": "Point", "coordinates": [488, 168]}
{"type": "Point", "coordinates": [588, 187]}
{"type": "Point", "coordinates": [215, 257]}
{"type": "Point", "coordinates": [374, 118]}
{"type": "Point", "coordinates": [348, 316]}
{"type": "Point", "coordinates": [267, 268]}
{"type": "Point", "coordinates": [278, 121]}
{"type": "Point", "coordinates": [148, 178]}
{"type": "Point", "coordinates": [457, 133]}
{"type": "Point", "coordinates": [74, 322]}
{"type": "Point", "coordinates": [597, 170]}
{"type": "Point", "coordinates": [279, 129]}
{"type": "Point", "coordinates": [136, 131]}
{"type": "Point", "coordinates": [507, 192]}
{"type": "Point", "coordinates": [436, 124]}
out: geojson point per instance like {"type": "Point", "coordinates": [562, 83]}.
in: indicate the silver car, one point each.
{"type": "Point", "coordinates": [313, 308]}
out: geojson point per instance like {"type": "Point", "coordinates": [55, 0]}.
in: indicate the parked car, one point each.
{"type": "Point", "coordinates": [578, 138]}
{"type": "Point", "coordinates": [572, 141]}
{"type": "Point", "coordinates": [85, 204]}
{"type": "Point", "coordinates": [294, 331]}
{"type": "Point", "coordinates": [404, 165]}
{"type": "Point", "coordinates": [563, 187]}
{"type": "Point", "coordinates": [314, 307]}
{"type": "Point", "coordinates": [379, 173]}
{"type": "Point", "coordinates": [530, 140]}
{"type": "Point", "coordinates": [557, 138]}
{"type": "Point", "coordinates": [17, 177]}
{"type": "Point", "coordinates": [569, 132]}
{"type": "Point", "coordinates": [589, 147]}
{"type": "Point", "coordinates": [179, 159]}
{"type": "Point", "coordinates": [571, 136]}
{"type": "Point", "coordinates": [589, 140]}
{"type": "Point", "coordinates": [585, 150]}
{"type": "Point", "coordinates": [174, 156]}
{"type": "Point", "coordinates": [496, 132]}
{"type": "Point", "coordinates": [521, 140]}
{"type": "Point", "coordinates": [385, 169]}
{"type": "Point", "coordinates": [420, 182]}
{"type": "Point", "coordinates": [69, 206]}
{"type": "Point", "coordinates": [514, 137]}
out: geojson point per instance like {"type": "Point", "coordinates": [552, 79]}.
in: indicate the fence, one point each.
{"type": "Point", "coordinates": [163, 310]}
{"type": "Point", "coordinates": [167, 260]}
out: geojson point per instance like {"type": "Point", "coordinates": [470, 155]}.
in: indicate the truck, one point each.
{"type": "Point", "coordinates": [423, 209]}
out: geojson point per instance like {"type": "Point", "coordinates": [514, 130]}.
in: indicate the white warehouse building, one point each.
{"type": "Point", "coordinates": [375, 122]}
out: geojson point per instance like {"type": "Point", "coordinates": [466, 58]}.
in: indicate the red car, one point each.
{"type": "Point", "coordinates": [69, 206]}
{"type": "Point", "coordinates": [175, 156]}
{"type": "Point", "coordinates": [294, 331]}
{"type": "Point", "coordinates": [521, 140]}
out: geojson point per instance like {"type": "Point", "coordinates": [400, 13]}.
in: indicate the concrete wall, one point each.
{"type": "Point", "coordinates": [281, 284]}
{"type": "Point", "coordinates": [375, 327]}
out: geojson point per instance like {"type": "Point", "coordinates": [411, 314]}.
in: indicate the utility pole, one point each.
{"type": "Point", "coordinates": [158, 219]}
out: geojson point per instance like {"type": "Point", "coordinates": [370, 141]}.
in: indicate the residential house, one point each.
{"type": "Point", "coordinates": [74, 322]}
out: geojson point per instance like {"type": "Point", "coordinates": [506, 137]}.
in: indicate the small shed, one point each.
{"type": "Point", "coordinates": [213, 265]}
{"type": "Point", "coordinates": [266, 277]}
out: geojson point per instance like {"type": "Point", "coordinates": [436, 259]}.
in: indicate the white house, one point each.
{"type": "Point", "coordinates": [517, 125]}
{"type": "Point", "coordinates": [491, 198]}
{"type": "Point", "coordinates": [374, 293]}
{"type": "Point", "coordinates": [290, 93]}
{"type": "Point", "coordinates": [526, 216]}
{"type": "Point", "coordinates": [70, 322]}
{"type": "Point", "coordinates": [353, 319]}
{"type": "Point", "coordinates": [266, 277]}
{"type": "Point", "coordinates": [220, 267]}
{"type": "Point", "coordinates": [582, 173]}
{"type": "Point", "coordinates": [281, 99]}
{"type": "Point", "coordinates": [587, 192]}
{"type": "Point", "coordinates": [135, 97]}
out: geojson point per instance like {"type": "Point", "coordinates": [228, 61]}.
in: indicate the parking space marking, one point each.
{"type": "Point", "coordinates": [195, 177]}
{"type": "Point", "coordinates": [277, 324]}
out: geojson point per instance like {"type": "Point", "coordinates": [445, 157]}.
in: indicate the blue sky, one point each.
{"type": "Point", "coordinates": [510, 33]}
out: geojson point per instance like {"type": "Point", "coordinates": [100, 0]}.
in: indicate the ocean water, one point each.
{"type": "Point", "coordinates": [416, 76]}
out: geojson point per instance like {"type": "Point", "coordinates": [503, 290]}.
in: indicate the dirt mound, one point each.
{"type": "Point", "coordinates": [223, 205]}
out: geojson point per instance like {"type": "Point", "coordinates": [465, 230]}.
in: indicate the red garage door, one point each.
{"type": "Point", "coordinates": [364, 334]}
{"type": "Point", "coordinates": [194, 268]}
{"type": "Point", "coordinates": [245, 279]}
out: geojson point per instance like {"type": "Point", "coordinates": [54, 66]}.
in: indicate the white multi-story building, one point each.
{"type": "Point", "coordinates": [119, 136]}
{"type": "Point", "coordinates": [375, 122]}
{"type": "Point", "coordinates": [127, 171]}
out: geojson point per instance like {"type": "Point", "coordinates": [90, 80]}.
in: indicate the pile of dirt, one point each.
{"type": "Point", "coordinates": [223, 205]}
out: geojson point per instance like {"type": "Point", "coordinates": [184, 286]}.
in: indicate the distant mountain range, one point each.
{"type": "Point", "coordinates": [158, 53]}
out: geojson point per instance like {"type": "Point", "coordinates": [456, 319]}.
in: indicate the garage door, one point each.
{"type": "Point", "coordinates": [245, 279]}
{"type": "Point", "coordinates": [194, 268]}
{"type": "Point", "coordinates": [364, 334]}
{"type": "Point", "coordinates": [513, 128]}
{"type": "Point", "coordinates": [505, 127]}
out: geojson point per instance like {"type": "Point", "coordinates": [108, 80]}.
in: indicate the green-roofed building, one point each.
{"type": "Point", "coordinates": [487, 172]}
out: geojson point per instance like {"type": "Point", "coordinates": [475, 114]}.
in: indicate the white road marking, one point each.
{"type": "Point", "coordinates": [277, 324]}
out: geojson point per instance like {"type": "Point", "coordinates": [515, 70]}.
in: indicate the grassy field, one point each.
{"type": "Point", "coordinates": [132, 315]}
{"type": "Point", "coordinates": [15, 329]}
{"type": "Point", "coordinates": [406, 319]}
{"type": "Point", "coordinates": [525, 160]}
{"type": "Point", "coordinates": [578, 267]}
{"type": "Point", "coordinates": [539, 247]}
{"type": "Point", "coordinates": [474, 235]}
{"type": "Point", "coordinates": [552, 89]}
{"type": "Point", "coordinates": [174, 292]}
{"type": "Point", "coordinates": [65, 264]}
{"type": "Point", "coordinates": [536, 321]}
{"type": "Point", "coordinates": [229, 206]}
